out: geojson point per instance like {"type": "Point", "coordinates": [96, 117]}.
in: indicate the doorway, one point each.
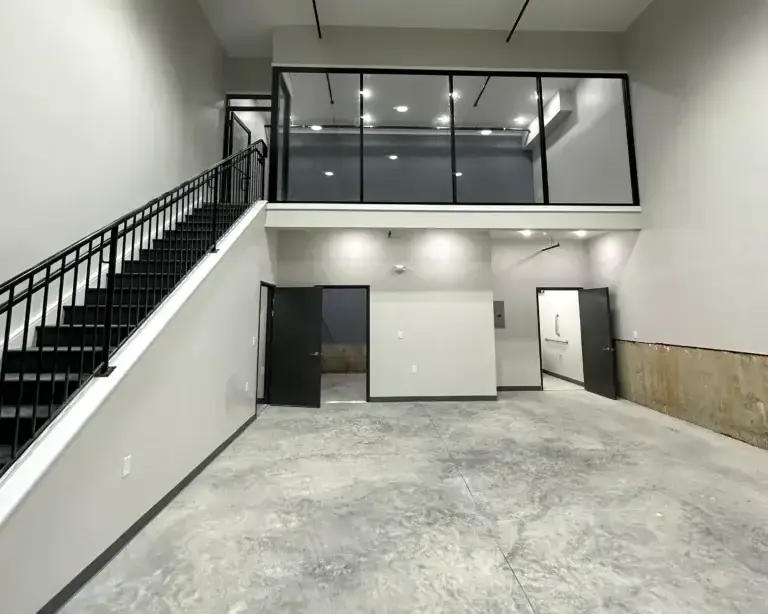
{"type": "Point", "coordinates": [576, 348]}
{"type": "Point", "coordinates": [318, 346]}
{"type": "Point", "coordinates": [267, 291]}
{"type": "Point", "coordinates": [562, 366]}
{"type": "Point", "coordinates": [345, 338]}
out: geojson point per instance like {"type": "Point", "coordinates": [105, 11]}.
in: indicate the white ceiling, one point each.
{"type": "Point", "coordinates": [505, 99]}
{"type": "Point", "coordinates": [245, 26]}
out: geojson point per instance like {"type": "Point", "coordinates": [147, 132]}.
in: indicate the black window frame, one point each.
{"type": "Point", "coordinates": [279, 83]}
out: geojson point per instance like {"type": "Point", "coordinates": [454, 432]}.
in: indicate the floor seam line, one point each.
{"type": "Point", "coordinates": [477, 507]}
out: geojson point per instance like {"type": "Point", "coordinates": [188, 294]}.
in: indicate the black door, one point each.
{"type": "Point", "coordinates": [597, 342]}
{"type": "Point", "coordinates": [295, 345]}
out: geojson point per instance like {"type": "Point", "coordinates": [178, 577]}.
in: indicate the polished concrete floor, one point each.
{"type": "Point", "coordinates": [343, 388]}
{"type": "Point", "coordinates": [555, 384]}
{"type": "Point", "coordinates": [538, 503]}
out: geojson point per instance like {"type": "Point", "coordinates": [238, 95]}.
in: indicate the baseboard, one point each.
{"type": "Point", "coordinates": [71, 589]}
{"type": "Point", "coordinates": [562, 377]}
{"type": "Point", "coordinates": [426, 399]}
{"type": "Point", "coordinates": [518, 388]}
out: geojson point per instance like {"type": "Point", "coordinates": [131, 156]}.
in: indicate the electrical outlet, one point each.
{"type": "Point", "coordinates": [414, 369]}
{"type": "Point", "coordinates": [247, 386]}
{"type": "Point", "coordinates": [127, 466]}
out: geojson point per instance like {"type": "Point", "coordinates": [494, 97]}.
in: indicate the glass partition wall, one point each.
{"type": "Point", "coordinates": [430, 137]}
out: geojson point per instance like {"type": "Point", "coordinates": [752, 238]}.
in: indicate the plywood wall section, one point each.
{"type": "Point", "coordinates": [726, 392]}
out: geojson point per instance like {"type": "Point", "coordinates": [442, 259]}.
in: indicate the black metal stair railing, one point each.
{"type": "Point", "coordinates": [62, 320]}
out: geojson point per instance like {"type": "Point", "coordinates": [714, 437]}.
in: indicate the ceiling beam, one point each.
{"type": "Point", "coordinates": [317, 19]}
{"type": "Point", "coordinates": [517, 23]}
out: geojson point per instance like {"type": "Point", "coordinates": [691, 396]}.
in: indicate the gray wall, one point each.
{"type": "Point", "coordinates": [345, 315]}
{"type": "Point", "coordinates": [105, 105]}
{"type": "Point", "coordinates": [420, 47]}
{"type": "Point", "coordinates": [494, 169]}
{"type": "Point", "coordinates": [696, 274]}
{"type": "Point", "coordinates": [181, 400]}
{"type": "Point", "coordinates": [442, 304]}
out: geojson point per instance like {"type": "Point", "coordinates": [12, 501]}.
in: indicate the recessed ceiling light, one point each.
{"type": "Point", "coordinates": [329, 173]}
{"type": "Point", "coordinates": [366, 93]}
{"type": "Point", "coordinates": [455, 95]}
{"type": "Point", "coordinates": [486, 132]}
{"type": "Point", "coordinates": [401, 108]}
{"type": "Point", "coordinates": [443, 119]}
{"type": "Point", "coordinates": [392, 157]}
{"type": "Point", "coordinates": [535, 96]}
{"type": "Point", "coordinates": [459, 174]}
{"type": "Point", "coordinates": [521, 120]}
{"type": "Point", "coordinates": [526, 233]}
{"type": "Point", "coordinates": [580, 233]}
{"type": "Point", "coordinates": [366, 118]}
{"type": "Point", "coordinates": [316, 128]}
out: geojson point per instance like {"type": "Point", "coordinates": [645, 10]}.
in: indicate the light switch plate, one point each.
{"type": "Point", "coordinates": [127, 466]}
{"type": "Point", "coordinates": [634, 334]}
{"type": "Point", "coordinates": [414, 369]}
{"type": "Point", "coordinates": [399, 334]}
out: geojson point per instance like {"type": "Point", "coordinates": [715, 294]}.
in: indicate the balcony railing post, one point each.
{"type": "Point", "coordinates": [111, 270]}
{"type": "Point", "coordinates": [214, 228]}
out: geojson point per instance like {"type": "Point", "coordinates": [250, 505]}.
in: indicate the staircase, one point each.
{"type": "Point", "coordinates": [74, 341]}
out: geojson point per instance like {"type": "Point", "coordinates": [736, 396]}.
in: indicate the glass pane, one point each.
{"type": "Point", "coordinates": [407, 140]}
{"type": "Point", "coordinates": [587, 153]}
{"type": "Point", "coordinates": [494, 159]}
{"type": "Point", "coordinates": [325, 138]}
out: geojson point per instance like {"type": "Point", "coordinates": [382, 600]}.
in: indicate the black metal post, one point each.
{"type": "Point", "coordinates": [214, 229]}
{"type": "Point", "coordinates": [451, 105]}
{"type": "Point", "coordinates": [542, 142]}
{"type": "Point", "coordinates": [111, 268]}
{"type": "Point", "coordinates": [631, 141]}
{"type": "Point", "coordinates": [361, 110]}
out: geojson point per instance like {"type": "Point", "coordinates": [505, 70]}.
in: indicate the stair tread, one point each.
{"type": "Point", "coordinates": [44, 349]}
{"type": "Point", "coordinates": [27, 411]}
{"type": "Point", "coordinates": [44, 377]}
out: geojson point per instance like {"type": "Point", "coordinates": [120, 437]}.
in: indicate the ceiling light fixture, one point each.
{"type": "Point", "coordinates": [392, 157]}
{"type": "Point", "coordinates": [521, 120]}
{"type": "Point", "coordinates": [443, 119]}
{"type": "Point", "coordinates": [329, 173]}
{"type": "Point", "coordinates": [459, 174]}
{"type": "Point", "coordinates": [535, 96]}
{"type": "Point", "coordinates": [526, 233]}
{"type": "Point", "coordinates": [580, 233]}
{"type": "Point", "coordinates": [366, 118]}
{"type": "Point", "coordinates": [455, 95]}
{"type": "Point", "coordinates": [486, 132]}
{"type": "Point", "coordinates": [366, 93]}
{"type": "Point", "coordinates": [316, 128]}
{"type": "Point", "coordinates": [401, 108]}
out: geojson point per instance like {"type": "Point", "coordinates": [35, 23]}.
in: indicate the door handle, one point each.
{"type": "Point", "coordinates": [608, 350]}
{"type": "Point", "coordinates": [315, 354]}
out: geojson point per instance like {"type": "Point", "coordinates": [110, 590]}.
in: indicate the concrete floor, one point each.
{"type": "Point", "coordinates": [538, 503]}
{"type": "Point", "coordinates": [553, 384]}
{"type": "Point", "coordinates": [343, 387]}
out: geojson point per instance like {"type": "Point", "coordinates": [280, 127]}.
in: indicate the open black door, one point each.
{"type": "Point", "coordinates": [295, 345]}
{"type": "Point", "coordinates": [597, 342]}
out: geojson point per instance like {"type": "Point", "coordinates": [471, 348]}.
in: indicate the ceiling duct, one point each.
{"type": "Point", "coordinates": [320, 36]}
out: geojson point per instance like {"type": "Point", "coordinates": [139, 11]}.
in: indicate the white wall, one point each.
{"type": "Point", "coordinates": [432, 48]}
{"type": "Point", "coordinates": [442, 304]}
{"type": "Point", "coordinates": [178, 403]}
{"type": "Point", "coordinates": [255, 123]}
{"type": "Point", "coordinates": [103, 106]}
{"type": "Point", "coordinates": [587, 155]}
{"type": "Point", "coordinates": [560, 321]}
{"type": "Point", "coordinates": [517, 271]}
{"type": "Point", "coordinates": [696, 275]}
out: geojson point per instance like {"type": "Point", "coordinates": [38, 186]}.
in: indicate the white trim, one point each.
{"type": "Point", "coordinates": [38, 459]}
{"type": "Point", "coordinates": [447, 208]}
